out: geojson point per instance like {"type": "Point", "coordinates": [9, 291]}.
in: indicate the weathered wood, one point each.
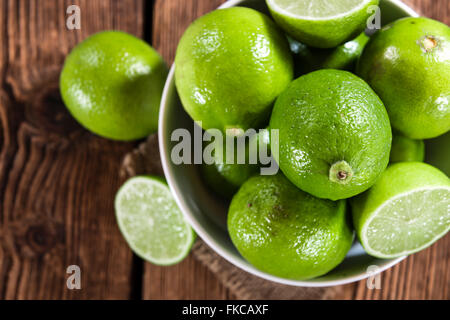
{"type": "Point", "coordinates": [57, 181]}
{"type": "Point", "coordinates": [190, 279]}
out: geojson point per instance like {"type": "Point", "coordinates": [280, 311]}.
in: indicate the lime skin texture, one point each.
{"type": "Point", "coordinates": [334, 134]}
{"type": "Point", "coordinates": [406, 149]}
{"type": "Point", "coordinates": [230, 66]}
{"type": "Point", "coordinates": [286, 232]}
{"type": "Point", "coordinates": [325, 33]}
{"type": "Point", "coordinates": [407, 63]}
{"type": "Point", "coordinates": [404, 212]}
{"type": "Point", "coordinates": [112, 84]}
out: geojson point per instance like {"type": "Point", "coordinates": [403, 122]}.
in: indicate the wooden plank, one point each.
{"type": "Point", "coordinates": [57, 181]}
{"type": "Point", "coordinates": [189, 279]}
{"type": "Point", "coordinates": [436, 9]}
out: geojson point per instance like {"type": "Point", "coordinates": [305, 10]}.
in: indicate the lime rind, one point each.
{"type": "Point", "coordinates": [151, 222]}
{"type": "Point", "coordinates": [289, 10]}
{"type": "Point", "coordinates": [439, 223]}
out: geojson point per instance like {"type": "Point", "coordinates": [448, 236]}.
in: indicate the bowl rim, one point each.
{"type": "Point", "coordinates": [204, 235]}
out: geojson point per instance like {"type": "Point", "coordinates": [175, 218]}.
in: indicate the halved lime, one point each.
{"type": "Point", "coordinates": [406, 210]}
{"type": "Point", "coordinates": [322, 23]}
{"type": "Point", "coordinates": [151, 221]}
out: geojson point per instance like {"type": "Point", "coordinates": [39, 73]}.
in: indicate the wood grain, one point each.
{"type": "Point", "coordinates": [57, 181]}
{"type": "Point", "coordinates": [190, 279]}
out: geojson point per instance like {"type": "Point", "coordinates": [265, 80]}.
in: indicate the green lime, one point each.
{"type": "Point", "coordinates": [343, 57]}
{"type": "Point", "coordinates": [151, 222]}
{"type": "Point", "coordinates": [322, 23]}
{"type": "Point", "coordinates": [406, 210]}
{"type": "Point", "coordinates": [438, 152]}
{"type": "Point", "coordinates": [112, 84]}
{"type": "Point", "coordinates": [224, 177]}
{"type": "Point", "coordinates": [407, 63]}
{"type": "Point", "coordinates": [406, 149]}
{"type": "Point", "coordinates": [334, 134]}
{"type": "Point", "coordinates": [231, 64]}
{"type": "Point", "coordinates": [286, 232]}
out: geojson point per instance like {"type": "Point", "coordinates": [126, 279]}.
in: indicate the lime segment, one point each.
{"type": "Point", "coordinates": [151, 221]}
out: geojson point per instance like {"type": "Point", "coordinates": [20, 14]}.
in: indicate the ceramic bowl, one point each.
{"type": "Point", "coordinates": [207, 213]}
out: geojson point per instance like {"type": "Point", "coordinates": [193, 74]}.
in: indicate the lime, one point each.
{"type": "Point", "coordinates": [407, 63]}
{"type": "Point", "coordinates": [343, 57]}
{"type": "Point", "coordinates": [151, 222]}
{"type": "Point", "coordinates": [406, 210]}
{"type": "Point", "coordinates": [226, 178]}
{"type": "Point", "coordinates": [287, 232]}
{"type": "Point", "coordinates": [322, 23]}
{"type": "Point", "coordinates": [334, 134]}
{"type": "Point", "coordinates": [231, 64]}
{"type": "Point", "coordinates": [438, 152]}
{"type": "Point", "coordinates": [112, 84]}
{"type": "Point", "coordinates": [406, 149]}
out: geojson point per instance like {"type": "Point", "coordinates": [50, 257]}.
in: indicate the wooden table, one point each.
{"type": "Point", "coordinates": [57, 181]}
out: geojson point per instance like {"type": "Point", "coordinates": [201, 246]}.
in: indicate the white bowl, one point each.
{"type": "Point", "coordinates": [207, 214]}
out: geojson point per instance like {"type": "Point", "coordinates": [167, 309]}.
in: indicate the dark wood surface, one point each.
{"type": "Point", "coordinates": [58, 181]}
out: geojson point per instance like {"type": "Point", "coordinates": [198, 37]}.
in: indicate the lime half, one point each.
{"type": "Point", "coordinates": [151, 221]}
{"type": "Point", "coordinates": [322, 23]}
{"type": "Point", "coordinates": [406, 210]}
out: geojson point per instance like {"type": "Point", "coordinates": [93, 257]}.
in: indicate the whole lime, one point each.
{"type": "Point", "coordinates": [334, 134]}
{"type": "Point", "coordinates": [406, 150]}
{"type": "Point", "coordinates": [231, 64]}
{"type": "Point", "coordinates": [407, 63]}
{"type": "Point", "coordinates": [287, 232]}
{"type": "Point", "coordinates": [112, 84]}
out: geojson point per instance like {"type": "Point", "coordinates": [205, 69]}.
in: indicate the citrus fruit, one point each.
{"type": "Point", "coordinates": [407, 63]}
{"type": "Point", "coordinates": [343, 57]}
{"type": "Point", "coordinates": [225, 177]}
{"type": "Point", "coordinates": [406, 210]}
{"type": "Point", "coordinates": [437, 152]}
{"type": "Point", "coordinates": [230, 66]}
{"type": "Point", "coordinates": [112, 84]}
{"type": "Point", "coordinates": [322, 23]}
{"type": "Point", "coordinates": [151, 222]}
{"type": "Point", "coordinates": [286, 232]}
{"type": "Point", "coordinates": [334, 134]}
{"type": "Point", "coordinates": [406, 149]}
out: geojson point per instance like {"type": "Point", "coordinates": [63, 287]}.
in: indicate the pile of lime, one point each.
{"type": "Point", "coordinates": [350, 111]}
{"type": "Point", "coordinates": [350, 129]}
